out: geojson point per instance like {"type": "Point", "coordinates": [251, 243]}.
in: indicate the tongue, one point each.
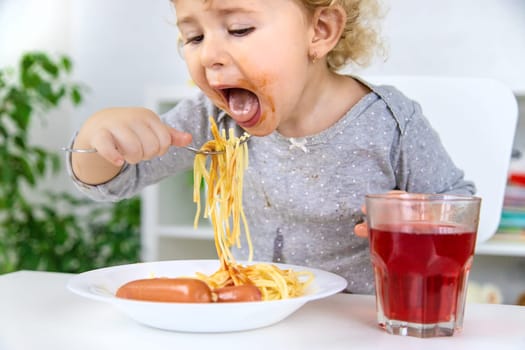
{"type": "Point", "coordinates": [243, 104]}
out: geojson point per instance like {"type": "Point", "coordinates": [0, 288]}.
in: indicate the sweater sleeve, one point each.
{"type": "Point", "coordinates": [424, 165]}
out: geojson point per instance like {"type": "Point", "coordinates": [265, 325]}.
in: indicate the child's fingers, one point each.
{"type": "Point", "coordinates": [129, 144]}
{"type": "Point", "coordinates": [179, 138]}
{"type": "Point", "coordinates": [146, 143]}
{"type": "Point", "coordinates": [163, 137]}
{"type": "Point", "coordinates": [108, 148]}
{"type": "Point", "coordinates": [361, 230]}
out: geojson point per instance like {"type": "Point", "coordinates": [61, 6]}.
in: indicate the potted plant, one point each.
{"type": "Point", "coordinates": [57, 231]}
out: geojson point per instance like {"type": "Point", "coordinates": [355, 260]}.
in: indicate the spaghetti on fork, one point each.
{"type": "Point", "coordinates": [223, 174]}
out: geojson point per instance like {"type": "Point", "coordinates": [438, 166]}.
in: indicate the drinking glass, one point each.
{"type": "Point", "coordinates": [422, 247]}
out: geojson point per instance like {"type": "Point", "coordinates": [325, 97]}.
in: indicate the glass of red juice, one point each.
{"type": "Point", "coordinates": [422, 247]}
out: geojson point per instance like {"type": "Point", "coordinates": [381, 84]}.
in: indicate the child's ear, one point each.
{"type": "Point", "coordinates": [328, 24]}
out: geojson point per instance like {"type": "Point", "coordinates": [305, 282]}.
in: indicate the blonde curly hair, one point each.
{"type": "Point", "coordinates": [360, 40]}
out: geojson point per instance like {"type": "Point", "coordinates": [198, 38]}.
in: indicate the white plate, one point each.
{"type": "Point", "coordinates": [101, 284]}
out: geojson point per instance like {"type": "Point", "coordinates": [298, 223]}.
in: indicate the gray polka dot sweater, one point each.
{"type": "Point", "coordinates": [302, 197]}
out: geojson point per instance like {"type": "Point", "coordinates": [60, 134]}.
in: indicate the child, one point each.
{"type": "Point", "coordinates": [321, 140]}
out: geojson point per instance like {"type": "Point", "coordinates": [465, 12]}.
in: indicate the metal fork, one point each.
{"type": "Point", "coordinates": [244, 138]}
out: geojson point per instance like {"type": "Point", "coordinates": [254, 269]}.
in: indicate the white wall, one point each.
{"type": "Point", "coordinates": [32, 24]}
{"type": "Point", "coordinates": [484, 38]}
{"type": "Point", "coordinates": [39, 25]}
{"type": "Point", "coordinates": [121, 47]}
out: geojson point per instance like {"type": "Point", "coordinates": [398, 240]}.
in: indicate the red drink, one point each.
{"type": "Point", "coordinates": [421, 271]}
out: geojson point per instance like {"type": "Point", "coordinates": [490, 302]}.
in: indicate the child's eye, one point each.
{"type": "Point", "coordinates": [241, 31]}
{"type": "Point", "coordinates": [194, 39]}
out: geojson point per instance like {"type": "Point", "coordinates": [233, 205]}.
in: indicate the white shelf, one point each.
{"type": "Point", "coordinates": [182, 231]}
{"type": "Point", "coordinates": [502, 245]}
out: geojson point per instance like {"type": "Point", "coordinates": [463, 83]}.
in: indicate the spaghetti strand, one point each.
{"type": "Point", "coordinates": [223, 174]}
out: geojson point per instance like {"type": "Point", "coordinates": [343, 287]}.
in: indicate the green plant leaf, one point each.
{"type": "Point", "coordinates": [49, 66]}
{"type": "Point", "coordinates": [66, 64]}
{"type": "Point", "coordinates": [3, 131]}
{"type": "Point", "coordinates": [20, 141]}
{"type": "Point", "coordinates": [21, 109]}
{"type": "Point", "coordinates": [26, 62]}
{"type": "Point", "coordinates": [76, 95]}
{"type": "Point", "coordinates": [24, 170]}
{"type": "Point", "coordinates": [22, 115]}
{"type": "Point", "coordinates": [3, 82]}
{"type": "Point", "coordinates": [45, 90]}
{"type": "Point", "coordinates": [30, 80]}
{"type": "Point", "coordinates": [56, 163]}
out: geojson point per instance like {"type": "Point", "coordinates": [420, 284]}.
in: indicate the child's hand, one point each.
{"type": "Point", "coordinates": [361, 229]}
{"type": "Point", "coordinates": [128, 134]}
{"type": "Point", "coordinates": [121, 135]}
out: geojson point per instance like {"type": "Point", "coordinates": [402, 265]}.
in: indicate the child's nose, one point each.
{"type": "Point", "coordinates": [214, 54]}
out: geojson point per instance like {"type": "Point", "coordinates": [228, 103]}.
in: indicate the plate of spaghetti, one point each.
{"type": "Point", "coordinates": [211, 295]}
{"type": "Point", "coordinates": [203, 316]}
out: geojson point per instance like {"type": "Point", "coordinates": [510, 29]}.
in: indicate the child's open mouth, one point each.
{"type": "Point", "coordinates": [244, 106]}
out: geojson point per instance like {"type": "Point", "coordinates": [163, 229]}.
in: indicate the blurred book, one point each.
{"type": "Point", "coordinates": [512, 220]}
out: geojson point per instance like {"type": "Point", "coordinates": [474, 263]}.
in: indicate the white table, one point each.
{"type": "Point", "coordinates": [38, 312]}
